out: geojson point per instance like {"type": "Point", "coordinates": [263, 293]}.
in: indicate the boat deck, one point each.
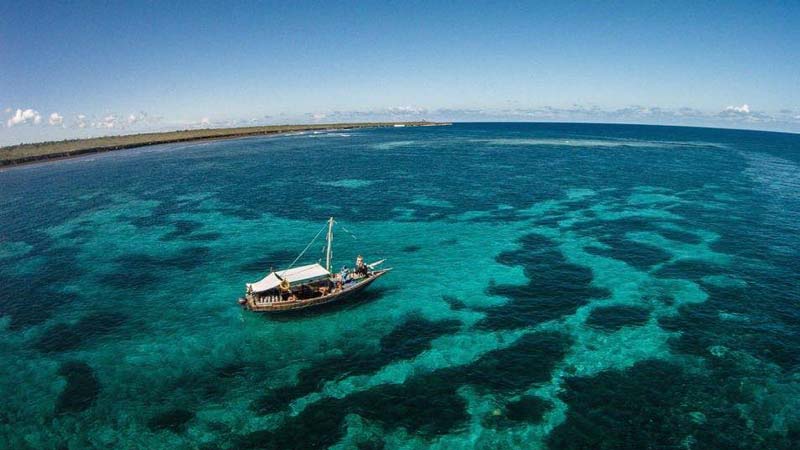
{"type": "Point", "coordinates": [253, 305]}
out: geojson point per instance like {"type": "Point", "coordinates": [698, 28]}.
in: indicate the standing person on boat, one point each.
{"type": "Point", "coordinates": [309, 285]}
{"type": "Point", "coordinates": [361, 269]}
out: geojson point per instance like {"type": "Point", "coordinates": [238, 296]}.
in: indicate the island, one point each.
{"type": "Point", "coordinates": [28, 153]}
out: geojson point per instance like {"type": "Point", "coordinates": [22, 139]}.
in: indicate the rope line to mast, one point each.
{"type": "Point", "coordinates": [348, 232]}
{"type": "Point", "coordinates": [307, 246]}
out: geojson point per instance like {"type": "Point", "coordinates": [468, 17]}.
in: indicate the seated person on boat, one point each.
{"type": "Point", "coordinates": [305, 282]}
{"type": "Point", "coordinates": [298, 287]}
{"type": "Point", "coordinates": [299, 283]}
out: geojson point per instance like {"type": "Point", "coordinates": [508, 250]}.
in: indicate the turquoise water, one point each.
{"type": "Point", "coordinates": [554, 286]}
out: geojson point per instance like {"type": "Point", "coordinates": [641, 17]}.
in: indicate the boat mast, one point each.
{"type": "Point", "coordinates": [330, 243]}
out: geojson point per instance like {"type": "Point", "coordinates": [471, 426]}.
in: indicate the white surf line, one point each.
{"type": "Point", "coordinates": [592, 142]}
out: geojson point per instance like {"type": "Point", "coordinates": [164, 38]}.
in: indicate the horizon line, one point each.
{"type": "Point", "coordinates": [377, 123]}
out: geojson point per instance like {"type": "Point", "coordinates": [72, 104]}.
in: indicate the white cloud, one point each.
{"type": "Point", "coordinates": [26, 116]}
{"type": "Point", "coordinates": [141, 118]}
{"type": "Point", "coordinates": [735, 116]}
{"type": "Point", "coordinates": [406, 110]}
{"type": "Point", "coordinates": [318, 116]}
{"type": "Point", "coordinates": [205, 121]}
{"type": "Point", "coordinates": [744, 109]}
{"type": "Point", "coordinates": [55, 119]}
{"type": "Point", "coordinates": [109, 121]}
{"type": "Point", "coordinates": [115, 121]}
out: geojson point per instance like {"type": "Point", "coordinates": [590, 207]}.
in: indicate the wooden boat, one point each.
{"type": "Point", "coordinates": [310, 285]}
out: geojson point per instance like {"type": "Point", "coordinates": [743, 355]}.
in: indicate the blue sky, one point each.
{"type": "Point", "coordinates": [95, 68]}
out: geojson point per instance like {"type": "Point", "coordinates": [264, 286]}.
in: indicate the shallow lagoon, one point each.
{"type": "Point", "coordinates": [562, 286]}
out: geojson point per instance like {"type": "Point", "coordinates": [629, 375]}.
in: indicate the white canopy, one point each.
{"type": "Point", "coordinates": [310, 272]}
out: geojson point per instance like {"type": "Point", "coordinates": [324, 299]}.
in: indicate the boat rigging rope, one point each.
{"type": "Point", "coordinates": [307, 246]}
{"type": "Point", "coordinates": [348, 232]}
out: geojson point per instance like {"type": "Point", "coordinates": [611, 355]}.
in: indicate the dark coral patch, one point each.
{"type": "Point", "coordinates": [201, 385]}
{"type": "Point", "coordinates": [654, 404]}
{"type": "Point", "coordinates": [79, 234]}
{"type": "Point", "coordinates": [232, 370]}
{"type": "Point", "coordinates": [161, 214]}
{"type": "Point", "coordinates": [680, 236]}
{"type": "Point", "coordinates": [100, 323]}
{"type": "Point", "coordinates": [427, 405]}
{"type": "Point", "coordinates": [59, 338]}
{"type": "Point", "coordinates": [698, 327]}
{"type": "Point", "coordinates": [635, 254]}
{"type": "Point", "coordinates": [527, 362]}
{"type": "Point", "coordinates": [186, 259]}
{"type": "Point", "coordinates": [612, 318]}
{"type": "Point", "coordinates": [182, 228]}
{"type": "Point", "coordinates": [22, 304]}
{"type": "Point", "coordinates": [172, 420]}
{"type": "Point", "coordinates": [318, 426]}
{"type": "Point", "coordinates": [220, 428]}
{"type": "Point", "coordinates": [556, 287]}
{"type": "Point", "coordinates": [241, 213]}
{"type": "Point", "coordinates": [203, 237]}
{"type": "Point", "coordinates": [688, 269]}
{"type": "Point", "coordinates": [189, 258]}
{"type": "Point", "coordinates": [372, 444]}
{"type": "Point", "coordinates": [530, 306]}
{"type": "Point", "coordinates": [766, 330]}
{"type": "Point", "coordinates": [617, 227]}
{"type": "Point", "coordinates": [125, 280]}
{"type": "Point", "coordinates": [82, 388]}
{"type": "Point", "coordinates": [527, 409]}
{"type": "Point", "coordinates": [63, 337]}
{"type": "Point", "coordinates": [31, 299]}
{"type": "Point", "coordinates": [414, 336]}
{"type": "Point", "coordinates": [550, 221]}
{"type": "Point", "coordinates": [454, 303]}
{"type": "Point", "coordinates": [405, 341]}
{"type": "Point", "coordinates": [412, 248]}
{"type": "Point", "coordinates": [312, 378]}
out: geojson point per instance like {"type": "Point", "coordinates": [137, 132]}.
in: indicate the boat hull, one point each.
{"type": "Point", "coordinates": [344, 294]}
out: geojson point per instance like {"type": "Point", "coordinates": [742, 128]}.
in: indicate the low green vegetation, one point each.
{"type": "Point", "coordinates": [23, 153]}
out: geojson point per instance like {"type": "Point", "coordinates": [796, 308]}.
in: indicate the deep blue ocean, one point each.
{"type": "Point", "coordinates": [555, 286]}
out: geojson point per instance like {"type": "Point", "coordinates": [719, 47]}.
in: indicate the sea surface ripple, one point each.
{"type": "Point", "coordinates": [554, 286]}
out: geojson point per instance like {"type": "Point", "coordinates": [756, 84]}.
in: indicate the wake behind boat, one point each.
{"type": "Point", "coordinates": [310, 285]}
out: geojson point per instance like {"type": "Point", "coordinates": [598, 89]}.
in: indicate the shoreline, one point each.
{"type": "Point", "coordinates": [24, 154]}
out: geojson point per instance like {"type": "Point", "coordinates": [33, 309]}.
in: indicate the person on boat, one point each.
{"type": "Point", "coordinates": [337, 282]}
{"type": "Point", "coordinates": [344, 274]}
{"type": "Point", "coordinates": [361, 269]}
